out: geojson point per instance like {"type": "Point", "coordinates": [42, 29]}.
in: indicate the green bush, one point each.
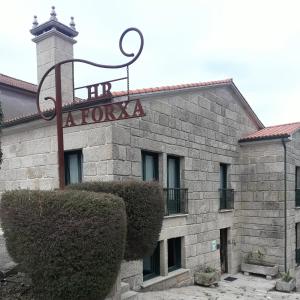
{"type": "Point", "coordinates": [71, 243]}
{"type": "Point", "coordinates": [144, 208]}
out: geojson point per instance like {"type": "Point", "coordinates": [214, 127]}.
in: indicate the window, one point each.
{"type": "Point", "coordinates": [223, 176]}
{"type": "Point", "coordinates": [173, 172]}
{"type": "Point", "coordinates": [73, 166]}
{"type": "Point", "coordinates": [174, 254]}
{"type": "Point", "coordinates": [297, 190]}
{"type": "Point", "coordinates": [297, 234]}
{"type": "Point", "coordinates": [150, 166]}
{"type": "Point", "coordinates": [151, 264]}
{"type": "Point", "coordinates": [226, 194]}
{"type": "Point", "coordinates": [173, 188]}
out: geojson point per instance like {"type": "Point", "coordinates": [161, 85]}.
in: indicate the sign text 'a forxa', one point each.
{"type": "Point", "coordinates": [104, 113]}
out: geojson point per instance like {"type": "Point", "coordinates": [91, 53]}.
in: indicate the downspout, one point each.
{"type": "Point", "coordinates": [285, 209]}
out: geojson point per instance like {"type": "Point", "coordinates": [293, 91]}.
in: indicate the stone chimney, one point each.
{"type": "Point", "coordinates": [54, 43]}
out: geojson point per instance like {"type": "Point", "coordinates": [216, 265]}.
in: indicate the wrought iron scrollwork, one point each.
{"type": "Point", "coordinates": [49, 115]}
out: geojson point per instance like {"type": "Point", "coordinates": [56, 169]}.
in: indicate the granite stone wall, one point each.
{"type": "Point", "coordinates": [202, 126]}
{"type": "Point", "coordinates": [262, 199]}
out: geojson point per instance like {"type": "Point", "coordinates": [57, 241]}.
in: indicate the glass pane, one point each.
{"type": "Point", "coordinates": [174, 253]}
{"type": "Point", "coordinates": [74, 168]}
{"type": "Point", "coordinates": [173, 173]}
{"type": "Point", "coordinates": [149, 168]}
{"type": "Point", "coordinates": [223, 176]}
{"type": "Point", "coordinates": [297, 177]}
{"type": "Point", "coordinates": [147, 265]}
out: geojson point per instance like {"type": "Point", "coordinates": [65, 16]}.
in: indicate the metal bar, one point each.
{"type": "Point", "coordinates": [59, 128]}
{"type": "Point", "coordinates": [113, 80]}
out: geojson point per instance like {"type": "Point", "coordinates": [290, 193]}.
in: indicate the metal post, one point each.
{"type": "Point", "coordinates": [59, 127]}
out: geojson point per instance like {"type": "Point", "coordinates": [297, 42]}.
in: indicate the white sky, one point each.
{"type": "Point", "coordinates": [255, 42]}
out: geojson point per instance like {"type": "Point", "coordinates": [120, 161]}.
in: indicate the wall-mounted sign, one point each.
{"type": "Point", "coordinates": [105, 113]}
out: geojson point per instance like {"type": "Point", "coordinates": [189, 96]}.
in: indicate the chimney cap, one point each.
{"type": "Point", "coordinates": [53, 23]}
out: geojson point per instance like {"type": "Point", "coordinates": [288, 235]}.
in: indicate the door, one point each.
{"type": "Point", "coordinates": [223, 250]}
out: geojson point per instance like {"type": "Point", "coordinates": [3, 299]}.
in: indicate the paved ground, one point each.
{"type": "Point", "coordinates": [245, 287]}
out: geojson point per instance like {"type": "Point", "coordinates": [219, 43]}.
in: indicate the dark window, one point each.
{"type": "Point", "coordinates": [223, 176]}
{"type": "Point", "coordinates": [174, 254]}
{"type": "Point", "coordinates": [297, 233]}
{"type": "Point", "coordinates": [151, 264]}
{"type": "Point", "coordinates": [73, 166]}
{"type": "Point", "coordinates": [226, 194]}
{"type": "Point", "coordinates": [150, 166]}
{"type": "Point", "coordinates": [297, 184]}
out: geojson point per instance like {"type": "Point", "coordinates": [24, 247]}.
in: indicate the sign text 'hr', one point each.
{"type": "Point", "coordinates": [105, 113]}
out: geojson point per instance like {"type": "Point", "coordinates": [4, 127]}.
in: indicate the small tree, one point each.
{"type": "Point", "coordinates": [144, 208]}
{"type": "Point", "coordinates": [71, 243]}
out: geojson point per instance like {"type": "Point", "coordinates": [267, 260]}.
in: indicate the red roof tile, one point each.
{"type": "Point", "coordinates": [33, 88]}
{"type": "Point", "coordinates": [271, 132]}
{"type": "Point", "coordinates": [10, 81]}
{"type": "Point", "coordinates": [172, 87]}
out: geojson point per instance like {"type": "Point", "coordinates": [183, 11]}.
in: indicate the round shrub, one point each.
{"type": "Point", "coordinates": [144, 208]}
{"type": "Point", "coordinates": [71, 243]}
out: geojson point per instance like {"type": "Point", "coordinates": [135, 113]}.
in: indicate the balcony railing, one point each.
{"type": "Point", "coordinates": [297, 256]}
{"type": "Point", "coordinates": [226, 198]}
{"type": "Point", "coordinates": [176, 201]}
{"type": "Point", "coordinates": [297, 197]}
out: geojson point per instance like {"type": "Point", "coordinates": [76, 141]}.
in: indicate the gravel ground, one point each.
{"type": "Point", "coordinates": [245, 287]}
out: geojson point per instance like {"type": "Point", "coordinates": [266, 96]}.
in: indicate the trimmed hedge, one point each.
{"type": "Point", "coordinates": [145, 211]}
{"type": "Point", "coordinates": [71, 243]}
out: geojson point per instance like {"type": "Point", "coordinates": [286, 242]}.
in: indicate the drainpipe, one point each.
{"type": "Point", "coordinates": [285, 208]}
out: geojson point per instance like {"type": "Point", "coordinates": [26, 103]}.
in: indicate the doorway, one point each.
{"type": "Point", "coordinates": [224, 250]}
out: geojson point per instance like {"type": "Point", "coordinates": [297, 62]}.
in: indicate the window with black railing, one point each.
{"type": "Point", "coordinates": [226, 198]}
{"type": "Point", "coordinates": [176, 201]}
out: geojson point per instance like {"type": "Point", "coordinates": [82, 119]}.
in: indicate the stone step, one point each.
{"type": "Point", "coordinates": [124, 287]}
{"type": "Point", "coordinates": [130, 295]}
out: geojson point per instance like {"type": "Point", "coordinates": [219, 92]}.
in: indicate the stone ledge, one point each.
{"type": "Point", "coordinates": [173, 279]}
{"type": "Point", "coordinates": [177, 215]}
{"type": "Point", "coordinates": [226, 210]}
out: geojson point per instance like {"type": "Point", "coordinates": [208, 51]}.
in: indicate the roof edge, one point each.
{"type": "Point", "coordinates": [247, 106]}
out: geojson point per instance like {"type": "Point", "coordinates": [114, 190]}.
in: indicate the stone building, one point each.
{"type": "Point", "coordinates": [231, 185]}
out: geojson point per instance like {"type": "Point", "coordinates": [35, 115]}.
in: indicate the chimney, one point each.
{"type": "Point", "coordinates": [54, 43]}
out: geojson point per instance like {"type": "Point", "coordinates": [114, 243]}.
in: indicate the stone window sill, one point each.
{"type": "Point", "coordinates": [297, 207]}
{"type": "Point", "coordinates": [175, 216]}
{"type": "Point", "coordinates": [159, 279]}
{"type": "Point", "coordinates": [226, 210]}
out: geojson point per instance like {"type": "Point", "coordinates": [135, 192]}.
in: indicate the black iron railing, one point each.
{"type": "Point", "coordinates": [226, 198]}
{"type": "Point", "coordinates": [176, 201]}
{"type": "Point", "coordinates": [297, 256]}
{"type": "Point", "coordinates": [297, 197]}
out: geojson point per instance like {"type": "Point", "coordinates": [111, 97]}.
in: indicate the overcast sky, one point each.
{"type": "Point", "coordinates": [255, 42]}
